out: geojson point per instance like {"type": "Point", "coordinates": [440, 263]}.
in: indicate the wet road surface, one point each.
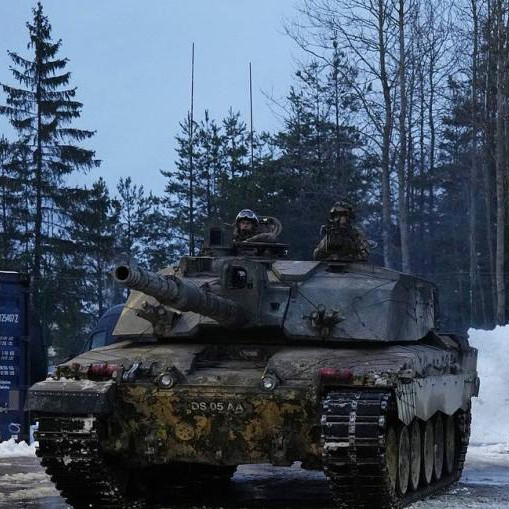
{"type": "Point", "coordinates": [23, 484]}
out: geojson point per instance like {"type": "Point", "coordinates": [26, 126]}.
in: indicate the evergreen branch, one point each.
{"type": "Point", "coordinates": [74, 134]}
{"type": "Point", "coordinates": [24, 78]}
{"type": "Point", "coordinates": [18, 60]}
{"type": "Point", "coordinates": [54, 82]}
{"type": "Point", "coordinates": [17, 92]}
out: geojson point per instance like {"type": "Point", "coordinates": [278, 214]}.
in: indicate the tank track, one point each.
{"type": "Point", "coordinates": [72, 458]}
{"type": "Point", "coordinates": [354, 425]}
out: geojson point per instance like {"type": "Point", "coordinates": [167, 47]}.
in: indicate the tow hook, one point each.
{"type": "Point", "coordinates": [130, 374]}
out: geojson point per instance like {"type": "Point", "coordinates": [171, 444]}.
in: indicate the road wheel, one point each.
{"type": "Point", "coordinates": [438, 446]}
{"type": "Point", "coordinates": [391, 454]}
{"type": "Point", "coordinates": [450, 443]}
{"type": "Point", "coordinates": [427, 452]}
{"type": "Point", "coordinates": [415, 454]}
{"type": "Point", "coordinates": [403, 460]}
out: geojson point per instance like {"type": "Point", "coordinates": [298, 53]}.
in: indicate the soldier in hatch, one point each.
{"type": "Point", "coordinates": [341, 239]}
{"type": "Point", "coordinates": [249, 228]}
{"type": "Point", "coordinates": [247, 225]}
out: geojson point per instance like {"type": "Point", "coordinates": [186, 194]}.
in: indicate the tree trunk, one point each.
{"type": "Point", "coordinates": [431, 158]}
{"type": "Point", "coordinates": [386, 140]}
{"type": "Point", "coordinates": [500, 170]}
{"type": "Point", "coordinates": [343, 176]}
{"type": "Point", "coordinates": [3, 161]}
{"type": "Point", "coordinates": [36, 275]}
{"type": "Point", "coordinates": [422, 171]}
{"type": "Point", "coordinates": [489, 165]}
{"type": "Point", "coordinates": [100, 290]}
{"type": "Point", "coordinates": [402, 202]}
{"type": "Point", "coordinates": [473, 266]}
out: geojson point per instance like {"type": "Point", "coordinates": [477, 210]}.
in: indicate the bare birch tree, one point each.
{"type": "Point", "coordinates": [367, 33]}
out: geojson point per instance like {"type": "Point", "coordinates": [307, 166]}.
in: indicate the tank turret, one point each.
{"type": "Point", "coordinates": [180, 294]}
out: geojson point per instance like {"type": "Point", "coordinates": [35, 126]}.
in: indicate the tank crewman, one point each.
{"type": "Point", "coordinates": [341, 239]}
{"type": "Point", "coordinates": [247, 225]}
{"type": "Point", "coordinates": [249, 228]}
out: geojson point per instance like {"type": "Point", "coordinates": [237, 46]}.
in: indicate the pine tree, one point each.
{"type": "Point", "coordinates": [144, 234]}
{"type": "Point", "coordinates": [237, 168]}
{"type": "Point", "coordinates": [211, 162]}
{"type": "Point", "coordinates": [160, 248]}
{"type": "Point", "coordinates": [94, 223]}
{"type": "Point", "coordinates": [451, 239]}
{"type": "Point", "coordinates": [184, 191]}
{"type": "Point", "coordinates": [235, 147]}
{"type": "Point", "coordinates": [8, 185]}
{"type": "Point", "coordinates": [42, 110]}
{"type": "Point", "coordinates": [134, 207]}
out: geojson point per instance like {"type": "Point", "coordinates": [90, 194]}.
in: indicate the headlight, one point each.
{"type": "Point", "coordinates": [166, 381]}
{"type": "Point", "coordinates": [269, 382]}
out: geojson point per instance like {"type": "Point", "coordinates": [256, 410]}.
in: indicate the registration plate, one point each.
{"type": "Point", "coordinates": [217, 407]}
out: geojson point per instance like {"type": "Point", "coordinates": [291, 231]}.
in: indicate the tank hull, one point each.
{"type": "Point", "coordinates": [219, 414]}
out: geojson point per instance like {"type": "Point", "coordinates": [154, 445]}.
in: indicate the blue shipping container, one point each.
{"type": "Point", "coordinates": [14, 354]}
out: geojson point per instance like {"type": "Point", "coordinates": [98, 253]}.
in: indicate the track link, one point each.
{"type": "Point", "coordinates": [354, 426]}
{"type": "Point", "coordinates": [69, 449]}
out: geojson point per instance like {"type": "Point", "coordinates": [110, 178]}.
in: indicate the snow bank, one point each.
{"type": "Point", "coordinates": [488, 456]}
{"type": "Point", "coordinates": [490, 411]}
{"type": "Point", "coordinates": [11, 449]}
{"type": "Point", "coordinates": [29, 495]}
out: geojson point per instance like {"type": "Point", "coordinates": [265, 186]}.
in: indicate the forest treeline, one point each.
{"type": "Point", "coordinates": [398, 105]}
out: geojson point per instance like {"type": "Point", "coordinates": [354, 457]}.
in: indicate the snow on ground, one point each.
{"type": "Point", "coordinates": [488, 455]}
{"type": "Point", "coordinates": [27, 494]}
{"type": "Point", "coordinates": [22, 478]}
{"type": "Point", "coordinates": [12, 449]}
{"type": "Point", "coordinates": [490, 411]}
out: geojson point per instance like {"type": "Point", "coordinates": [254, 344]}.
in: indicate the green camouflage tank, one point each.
{"type": "Point", "coordinates": [241, 355]}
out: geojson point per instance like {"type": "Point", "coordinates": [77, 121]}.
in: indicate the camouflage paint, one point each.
{"type": "Point", "coordinates": [220, 426]}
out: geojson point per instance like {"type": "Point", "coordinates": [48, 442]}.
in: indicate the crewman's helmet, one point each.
{"type": "Point", "coordinates": [247, 215]}
{"type": "Point", "coordinates": [342, 208]}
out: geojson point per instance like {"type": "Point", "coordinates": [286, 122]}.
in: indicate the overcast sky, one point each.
{"type": "Point", "coordinates": [131, 62]}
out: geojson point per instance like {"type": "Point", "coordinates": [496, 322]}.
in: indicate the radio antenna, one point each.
{"type": "Point", "coordinates": [251, 114]}
{"type": "Point", "coordinates": [191, 169]}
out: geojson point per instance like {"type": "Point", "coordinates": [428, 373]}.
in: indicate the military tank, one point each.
{"type": "Point", "coordinates": [240, 356]}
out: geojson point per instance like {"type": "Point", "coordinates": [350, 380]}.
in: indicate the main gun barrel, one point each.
{"type": "Point", "coordinates": [180, 294]}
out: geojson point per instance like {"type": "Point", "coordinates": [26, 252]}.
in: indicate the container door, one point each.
{"type": "Point", "coordinates": [13, 360]}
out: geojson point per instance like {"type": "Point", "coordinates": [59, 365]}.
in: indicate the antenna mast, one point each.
{"type": "Point", "coordinates": [251, 113]}
{"type": "Point", "coordinates": [191, 169]}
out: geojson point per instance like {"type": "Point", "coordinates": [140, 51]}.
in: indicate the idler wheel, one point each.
{"type": "Point", "coordinates": [391, 455]}
{"type": "Point", "coordinates": [427, 453]}
{"type": "Point", "coordinates": [450, 443]}
{"type": "Point", "coordinates": [403, 460]}
{"type": "Point", "coordinates": [415, 454]}
{"type": "Point", "coordinates": [438, 446]}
